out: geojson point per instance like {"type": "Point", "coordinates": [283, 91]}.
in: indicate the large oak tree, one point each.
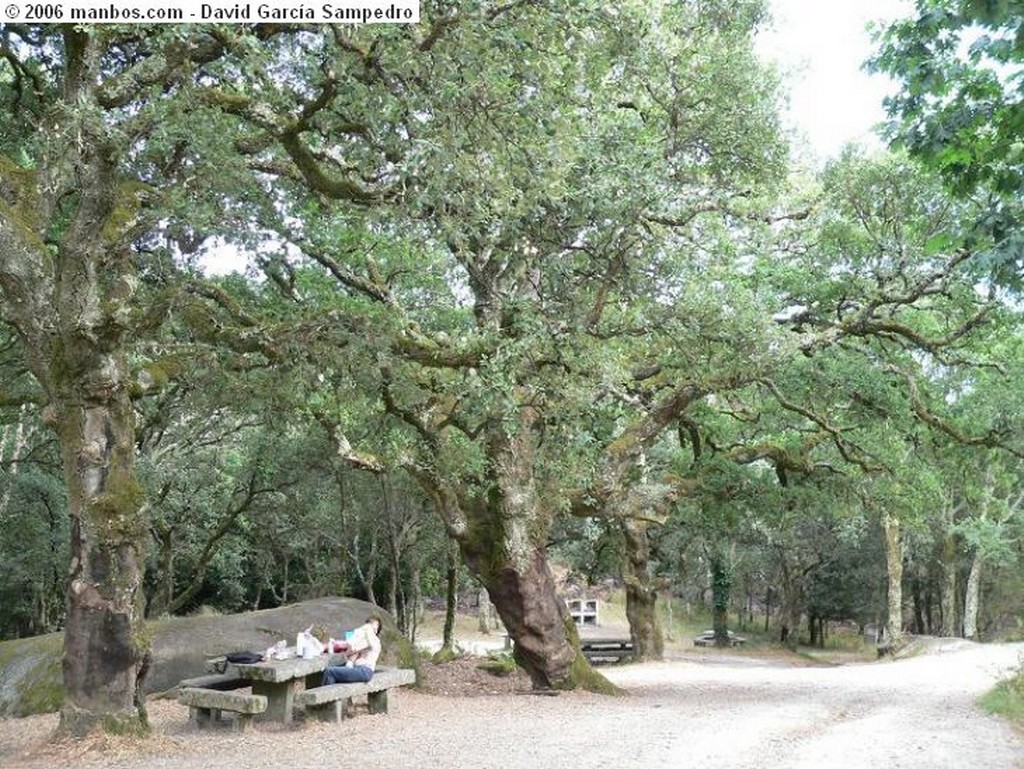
{"type": "Point", "coordinates": [100, 154]}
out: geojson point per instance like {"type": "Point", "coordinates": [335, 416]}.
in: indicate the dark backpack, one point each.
{"type": "Point", "coordinates": [244, 658]}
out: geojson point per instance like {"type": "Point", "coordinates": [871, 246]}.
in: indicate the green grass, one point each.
{"type": "Point", "coordinates": [499, 664]}
{"type": "Point", "coordinates": [1007, 699]}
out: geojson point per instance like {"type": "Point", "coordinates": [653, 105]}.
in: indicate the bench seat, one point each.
{"type": "Point", "coordinates": [605, 650]}
{"type": "Point", "coordinates": [219, 681]}
{"type": "Point", "coordinates": [330, 703]}
{"type": "Point", "coordinates": [206, 705]}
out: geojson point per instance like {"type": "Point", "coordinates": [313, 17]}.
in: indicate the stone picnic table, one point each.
{"type": "Point", "coordinates": [279, 680]}
{"type": "Point", "coordinates": [278, 686]}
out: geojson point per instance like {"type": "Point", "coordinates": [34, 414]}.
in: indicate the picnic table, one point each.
{"type": "Point", "coordinates": [274, 684]}
{"type": "Point", "coordinates": [606, 649]}
{"type": "Point", "coordinates": [707, 638]}
{"type": "Point", "coordinates": [278, 686]}
{"type": "Point", "coordinates": [280, 680]}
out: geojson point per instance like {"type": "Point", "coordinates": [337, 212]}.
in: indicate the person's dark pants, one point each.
{"type": "Point", "coordinates": [343, 675]}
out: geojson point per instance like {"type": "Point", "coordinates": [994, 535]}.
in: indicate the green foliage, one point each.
{"type": "Point", "coordinates": [845, 584]}
{"type": "Point", "coordinates": [499, 664]}
{"type": "Point", "coordinates": [960, 110]}
{"type": "Point", "coordinates": [1007, 699]}
{"type": "Point", "coordinates": [34, 534]}
{"type": "Point", "coordinates": [592, 549]}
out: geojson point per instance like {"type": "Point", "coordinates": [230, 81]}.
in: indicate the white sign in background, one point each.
{"type": "Point", "coordinates": [195, 11]}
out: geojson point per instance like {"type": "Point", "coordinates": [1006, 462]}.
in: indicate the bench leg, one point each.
{"type": "Point", "coordinates": [332, 712]}
{"type": "Point", "coordinates": [377, 702]}
{"type": "Point", "coordinates": [202, 717]}
{"type": "Point", "coordinates": [239, 724]}
{"type": "Point", "coordinates": [280, 700]}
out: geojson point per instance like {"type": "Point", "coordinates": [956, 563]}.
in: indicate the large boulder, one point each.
{"type": "Point", "coordinates": [30, 675]}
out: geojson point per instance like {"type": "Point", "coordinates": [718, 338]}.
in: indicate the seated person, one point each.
{"type": "Point", "coordinates": [362, 653]}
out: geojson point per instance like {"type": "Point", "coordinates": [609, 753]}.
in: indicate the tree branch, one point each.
{"type": "Point", "coordinates": [842, 445]}
{"type": "Point", "coordinates": [993, 439]}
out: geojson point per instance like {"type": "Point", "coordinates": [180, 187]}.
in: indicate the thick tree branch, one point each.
{"type": "Point", "coordinates": [164, 67]}
{"type": "Point", "coordinates": [993, 439]}
{"type": "Point", "coordinates": [848, 451]}
{"type": "Point", "coordinates": [865, 321]}
{"type": "Point", "coordinates": [357, 459]}
{"type": "Point", "coordinates": [376, 290]}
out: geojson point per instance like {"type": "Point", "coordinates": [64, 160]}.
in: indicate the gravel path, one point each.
{"type": "Point", "coordinates": [728, 712]}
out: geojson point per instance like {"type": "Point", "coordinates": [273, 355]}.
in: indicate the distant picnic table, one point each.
{"type": "Point", "coordinates": [606, 649]}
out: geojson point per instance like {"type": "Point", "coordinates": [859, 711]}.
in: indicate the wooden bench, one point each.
{"type": "Point", "coordinates": [331, 702]}
{"type": "Point", "coordinates": [206, 705]}
{"type": "Point", "coordinates": [606, 649]}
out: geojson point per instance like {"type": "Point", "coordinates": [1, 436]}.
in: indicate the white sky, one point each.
{"type": "Point", "coordinates": [823, 44]}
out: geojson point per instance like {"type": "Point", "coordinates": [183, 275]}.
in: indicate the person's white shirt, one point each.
{"type": "Point", "coordinates": [366, 644]}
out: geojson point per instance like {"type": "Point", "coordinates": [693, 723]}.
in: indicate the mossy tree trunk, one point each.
{"type": "Point", "coordinates": [67, 285]}
{"type": "Point", "coordinates": [502, 533]}
{"type": "Point", "coordinates": [451, 597]}
{"type": "Point", "coordinates": [972, 596]}
{"type": "Point", "coordinates": [523, 592]}
{"type": "Point", "coordinates": [721, 588]}
{"type": "Point", "coordinates": [105, 646]}
{"type": "Point", "coordinates": [161, 598]}
{"type": "Point", "coordinates": [641, 593]}
{"type": "Point", "coordinates": [504, 545]}
{"type": "Point", "coordinates": [67, 321]}
{"type": "Point", "coordinates": [791, 610]}
{"type": "Point", "coordinates": [894, 564]}
{"type": "Point", "coordinates": [947, 586]}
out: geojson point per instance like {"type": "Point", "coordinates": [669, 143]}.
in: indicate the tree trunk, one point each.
{"type": "Point", "coordinates": [163, 596]}
{"type": "Point", "coordinates": [105, 646]}
{"type": "Point", "coordinates": [791, 608]}
{"type": "Point", "coordinates": [502, 535]}
{"type": "Point", "coordinates": [641, 593]}
{"type": "Point", "coordinates": [721, 586]}
{"type": "Point", "coordinates": [670, 620]}
{"type": "Point", "coordinates": [947, 587]}
{"type": "Point", "coordinates": [894, 567]}
{"type": "Point", "coordinates": [367, 576]}
{"type": "Point", "coordinates": [486, 619]}
{"type": "Point", "coordinates": [414, 604]}
{"type": "Point", "coordinates": [537, 620]}
{"type": "Point", "coordinates": [67, 293]}
{"type": "Point", "coordinates": [11, 458]}
{"type": "Point", "coordinates": [396, 595]}
{"type": "Point", "coordinates": [918, 602]}
{"type": "Point", "coordinates": [972, 597]}
{"type": "Point", "coordinates": [451, 597]}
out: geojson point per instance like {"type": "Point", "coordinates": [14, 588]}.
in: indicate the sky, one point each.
{"type": "Point", "coordinates": [822, 45]}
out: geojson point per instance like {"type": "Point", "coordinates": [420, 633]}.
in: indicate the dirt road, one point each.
{"type": "Point", "coordinates": [699, 711]}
